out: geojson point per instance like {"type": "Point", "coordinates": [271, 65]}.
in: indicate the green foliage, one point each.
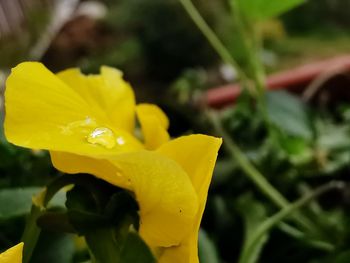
{"type": "Point", "coordinates": [19, 206]}
{"type": "Point", "coordinates": [103, 245]}
{"type": "Point", "coordinates": [188, 84]}
{"type": "Point", "coordinates": [331, 16]}
{"type": "Point", "coordinates": [135, 250]}
{"type": "Point", "coordinates": [89, 208]}
{"type": "Point", "coordinates": [54, 247]}
{"type": "Point", "coordinates": [257, 10]}
{"type": "Point", "coordinates": [289, 114]}
{"type": "Point", "coordinates": [206, 249]}
{"type": "Point", "coordinates": [308, 147]}
{"type": "Point", "coordinates": [21, 167]}
{"type": "Point", "coordinates": [254, 213]}
{"type": "Point", "coordinates": [151, 32]}
{"type": "Point", "coordinates": [105, 218]}
{"type": "Point", "coordinates": [14, 207]}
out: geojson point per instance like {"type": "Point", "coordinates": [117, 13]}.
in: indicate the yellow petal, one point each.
{"type": "Point", "coordinates": [154, 125]}
{"type": "Point", "coordinates": [12, 255]}
{"type": "Point", "coordinates": [107, 93]}
{"type": "Point", "coordinates": [187, 252]}
{"type": "Point", "coordinates": [43, 112]}
{"type": "Point", "coordinates": [196, 154]}
{"type": "Point", "coordinates": [103, 169]}
{"type": "Point", "coordinates": [167, 200]}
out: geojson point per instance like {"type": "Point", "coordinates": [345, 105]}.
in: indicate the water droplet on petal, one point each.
{"type": "Point", "coordinates": [78, 126]}
{"type": "Point", "coordinates": [102, 136]}
{"type": "Point", "coordinates": [120, 141]}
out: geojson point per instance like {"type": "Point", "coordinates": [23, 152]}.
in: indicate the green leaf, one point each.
{"type": "Point", "coordinates": [289, 114]}
{"type": "Point", "coordinates": [103, 246]}
{"type": "Point", "coordinates": [54, 248]}
{"type": "Point", "coordinates": [254, 241]}
{"type": "Point", "coordinates": [333, 145]}
{"type": "Point", "coordinates": [87, 211]}
{"type": "Point", "coordinates": [16, 202]}
{"type": "Point", "coordinates": [257, 10]}
{"type": "Point", "coordinates": [135, 250]}
{"type": "Point", "coordinates": [207, 249]}
{"type": "Point", "coordinates": [106, 248]}
{"type": "Point", "coordinates": [333, 137]}
{"type": "Point", "coordinates": [298, 150]}
{"type": "Point", "coordinates": [253, 214]}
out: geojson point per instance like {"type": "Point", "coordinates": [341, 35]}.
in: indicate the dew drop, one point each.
{"type": "Point", "coordinates": [120, 141]}
{"type": "Point", "coordinates": [77, 126]}
{"type": "Point", "coordinates": [102, 136]}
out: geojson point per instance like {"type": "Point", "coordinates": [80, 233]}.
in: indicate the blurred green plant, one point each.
{"type": "Point", "coordinates": [153, 38]}
{"type": "Point", "coordinates": [278, 142]}
{"type": "Point", "coordinates": [330, 16]}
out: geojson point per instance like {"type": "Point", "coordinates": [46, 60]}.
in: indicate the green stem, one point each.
{"type": "Point", "coordinates": [245, 29]}
{"type": "Point", "coordinates": [297, 234]}
{"type": "Point", "coordinates": [31, 233]}
{"type": "Point", "coordinates": [212, 37]}
{"type": "Point", "coordinates": [251, 49]}
{"type": "Point", "coordinates": [254, 175]}
{"type": "Point", "coordinates": [269, 223]}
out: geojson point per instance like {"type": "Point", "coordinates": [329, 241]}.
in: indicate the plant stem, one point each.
{"type": "Point", "coordinates": [31, 233]}
{"type": "Point", "coordinates": [212, 37]}
{"type": "Point", "coordinates": [278, 217]}
{"type": "Point", "coordinates": [297, 234]}
{"type": "Point", "coordinates": [258, 179]}
{"type": "Point", "coordinates": [258, 72]}
{"type": "Point", "coordinates": [251, 49]}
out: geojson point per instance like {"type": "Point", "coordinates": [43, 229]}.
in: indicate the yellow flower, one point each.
{"type": "Point", "coordinates": [12, 255]}
{"type": "Point", "coordinates": [87, 123]}
{"type": "Point", "coordinates": [196, 154]}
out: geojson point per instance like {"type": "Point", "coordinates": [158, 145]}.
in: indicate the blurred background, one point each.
{"type": "Point", "coordinates": [306, 55]}
{"type": "Point", "coordinates": [155, 42]}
